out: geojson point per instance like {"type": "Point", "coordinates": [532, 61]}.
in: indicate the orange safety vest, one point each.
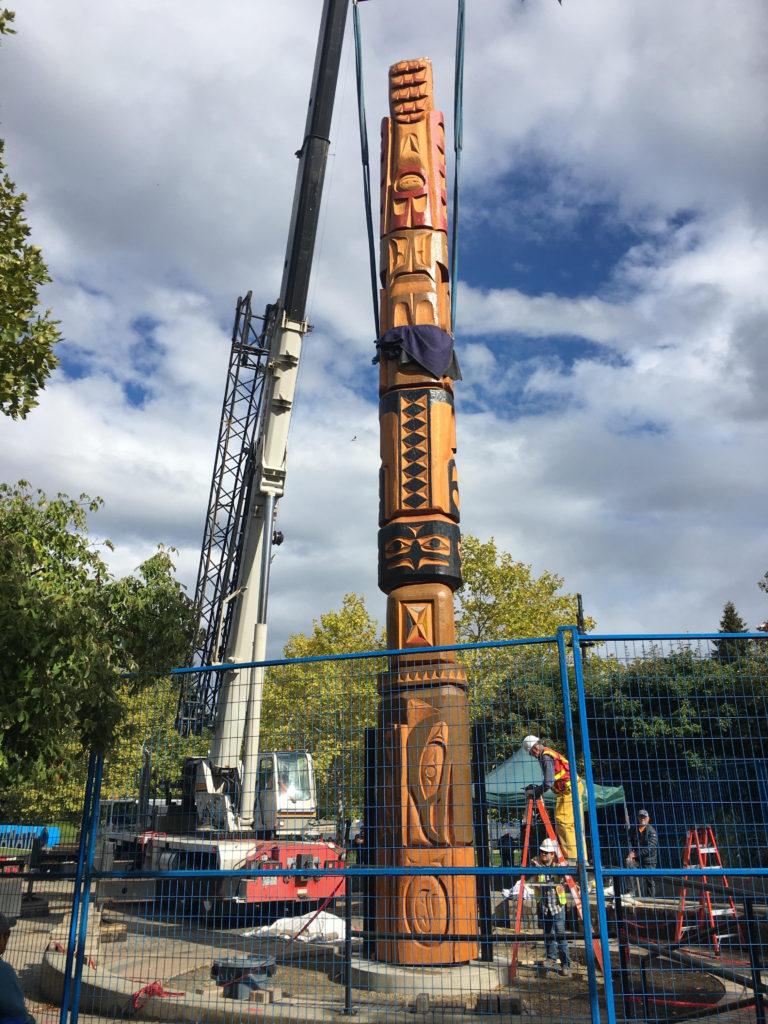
{"type": "Point", "coordinates": [562, 770]}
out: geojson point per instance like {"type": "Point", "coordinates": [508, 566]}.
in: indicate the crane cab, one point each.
{"type": "Point", "coordinates": [286, 796]}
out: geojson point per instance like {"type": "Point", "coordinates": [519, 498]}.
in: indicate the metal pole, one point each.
{"type": "Point", "coordinates": [348, 947]}
{"type": "Point", "coordinates": [599, 894]}
{"type": "Point", "coordinates": [755, 958]}
{"type": "Point", "coordinates": [88, 869]}
{"type": "Point", "coordinates": [482, 842]}
{"type": "Point", "coordinates": [625, 975]}
{"type": "Point", "coordinates": [76, 894]}
{"type": "Point", "coordinates": [366, 853]}
{"type": "Point", "coordinates": [266, 555]}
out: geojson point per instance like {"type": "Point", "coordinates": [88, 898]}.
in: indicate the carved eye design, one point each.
{"type": "Point", "coordinates": [432, 766]}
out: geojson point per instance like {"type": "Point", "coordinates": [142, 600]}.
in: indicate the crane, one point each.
{"type": "Point", "coordinates": [242, 818]}
{"type": "Point", "coordinates": [248, 480]}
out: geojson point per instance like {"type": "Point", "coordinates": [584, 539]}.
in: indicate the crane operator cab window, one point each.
{"type": "Point", "coordinates": [266, 774]}
{"type": "Point", "coordinates": [293, 776]}
{"type": "Point", "coordinates": [287, 775]}
{"type": "Point", "coordinates": [286, 792]}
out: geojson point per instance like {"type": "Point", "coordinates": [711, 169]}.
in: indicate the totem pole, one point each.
{"type": "Point", "coordinates": [424, 816]}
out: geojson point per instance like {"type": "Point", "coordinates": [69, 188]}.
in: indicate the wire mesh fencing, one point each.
{"type": "Point", "coordinates": [379, 834]}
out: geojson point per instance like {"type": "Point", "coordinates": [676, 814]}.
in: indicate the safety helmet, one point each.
{"type": "Point", "coordinates": [529, 743]}
{"type": "Point", "coordinates": [548, 846]}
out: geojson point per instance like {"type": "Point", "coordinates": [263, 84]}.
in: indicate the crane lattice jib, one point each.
{"type": "Point", "coordinates": [241, 415]}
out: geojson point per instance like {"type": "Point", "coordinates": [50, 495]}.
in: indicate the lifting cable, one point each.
{"type": "Point", "coordinates": [458, 125]}
{"type": "Point", "coordinates": [366, 163]}
{"type": "Point", "coordinates": [458, 132]}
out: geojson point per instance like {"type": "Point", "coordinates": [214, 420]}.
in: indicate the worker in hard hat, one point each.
{"type": "Point", "coordinates": [550, 900]}
{"type": "Point", "coordinates": [557, 777]}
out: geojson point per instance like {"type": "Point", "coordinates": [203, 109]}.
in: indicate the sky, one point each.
{"type": "Point", "coordinates": [611, 303]}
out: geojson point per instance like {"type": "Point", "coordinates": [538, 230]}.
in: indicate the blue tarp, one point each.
{"type": "Point", "coordinates": [19, 837]}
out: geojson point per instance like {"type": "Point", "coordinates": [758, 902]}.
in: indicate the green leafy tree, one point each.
{"type": "Point", "coordinates": [69, 631]}
{"type": "Point", "coordinates": [324, 707]}
{"type": "Point", "coordinates": [662, 713]}
{"type": "Point", "coordinates": [27, 336]}
{"type": "Point", "coordinates": [731, 622]}
{"type": "Point", "coordinates": [52, 793]}
{"type": "Point", "coordinates": [763, 584]}
{"type": "Point", "coordinates": [514, 690]}
{"type": "Point", "coordinates": [501, 599]}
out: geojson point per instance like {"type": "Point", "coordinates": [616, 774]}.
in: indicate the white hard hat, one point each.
{"type": "Point", "coordinates": [548, 846]}
{"type": "Point", "coordinates": [529, 743]}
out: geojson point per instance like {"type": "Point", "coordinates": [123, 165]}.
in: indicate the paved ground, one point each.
{"type": "Point", "coordinates": [152, 954]}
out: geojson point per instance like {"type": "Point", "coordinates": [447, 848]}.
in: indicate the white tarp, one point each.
{"type": "Point", "coordinates": [313, 927]}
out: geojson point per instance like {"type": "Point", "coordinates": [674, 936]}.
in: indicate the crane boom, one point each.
{"type": "Point", "coordinates": [222, 537]}
{"type": "Point", "coordinates": [240, 615]}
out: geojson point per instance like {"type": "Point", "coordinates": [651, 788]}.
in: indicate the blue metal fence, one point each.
{"type": "Point", "coordinates": [672, 724]}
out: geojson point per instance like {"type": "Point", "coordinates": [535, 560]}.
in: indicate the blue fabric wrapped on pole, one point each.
{"type": "Point", "coordinates": [425, 344]}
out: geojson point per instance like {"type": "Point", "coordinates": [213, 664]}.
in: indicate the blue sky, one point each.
{"type": "Point", "coordinates": [611, 301]}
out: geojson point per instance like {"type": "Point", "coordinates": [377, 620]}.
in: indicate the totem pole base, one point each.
{"type": "Point", "coordinates": [427, 919]}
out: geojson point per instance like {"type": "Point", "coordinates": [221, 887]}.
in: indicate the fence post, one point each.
{"type": "Point", "coordinates": [89, 840]}
{"type": "Point", "coordinates": [482, 842]}
{"type": "Point", "coordinates": [580, 847]}
{"type": "Point", "coordinates": [366, 851]}
{"type": "Point", "coordinates": [755, 957]}
{"type": "Point", "coordinates": [76, 892]}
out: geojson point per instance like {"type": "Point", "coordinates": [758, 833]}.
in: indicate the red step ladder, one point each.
{"type": "Point", "coordinates": [569, 881]}
{"type": "Point", "coordinates": [702, 843]}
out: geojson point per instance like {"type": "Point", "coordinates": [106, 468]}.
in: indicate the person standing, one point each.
{"type": "Point", "coordinates": [550, 900]}
{"type": "Point", "coordinates": [13, 1009]}
{"type": "Point", "coordinates": [644, 850]}
{"type": "Point", "coordinates": [557, 777]}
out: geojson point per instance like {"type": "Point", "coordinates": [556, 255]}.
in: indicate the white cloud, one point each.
{"type": "Point", "coordinates": [157, 146]}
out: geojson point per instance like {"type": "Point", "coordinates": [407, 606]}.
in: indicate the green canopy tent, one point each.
{"type": "Point", "coordinates": [505, 785]}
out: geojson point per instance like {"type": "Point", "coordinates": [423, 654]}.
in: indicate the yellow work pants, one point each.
{"type": "Point", "coordinates": [564, 823]}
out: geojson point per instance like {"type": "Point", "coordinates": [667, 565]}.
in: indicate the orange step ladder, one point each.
{"type": "Point", "coordinates": [569, 881]}
{"type": "Point", "coordinates": [702, 843]}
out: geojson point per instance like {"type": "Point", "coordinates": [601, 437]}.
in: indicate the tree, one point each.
{"type": "Point", "coordinates": [27, 336]}
{"type": "Point", "coordinates": [325, 706]}
{"type": "Point", "coordinates": [513, 690]}
{"type": "Point", "coordinates": [500, 599]}
{"type": "Point", "coordinates": [347, 631]}
{"type": "Point", "coordinates": [731, 622]}
{"type": "Point", "coordinates": [70, 631]}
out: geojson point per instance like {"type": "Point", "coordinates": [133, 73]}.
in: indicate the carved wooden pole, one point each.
{"type": "Point", "coordinates": [425, 813]}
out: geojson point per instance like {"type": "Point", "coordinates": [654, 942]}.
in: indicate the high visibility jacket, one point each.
{"type": "Point", "coordinates": [542, 886]}
{"type": "Point", "coordinates": [562, 770]}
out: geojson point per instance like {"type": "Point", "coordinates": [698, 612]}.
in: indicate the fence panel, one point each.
{"type": "Point", "coordinates": [190, 918]}
{"type": "Point", "coordinates": [679, 724]}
